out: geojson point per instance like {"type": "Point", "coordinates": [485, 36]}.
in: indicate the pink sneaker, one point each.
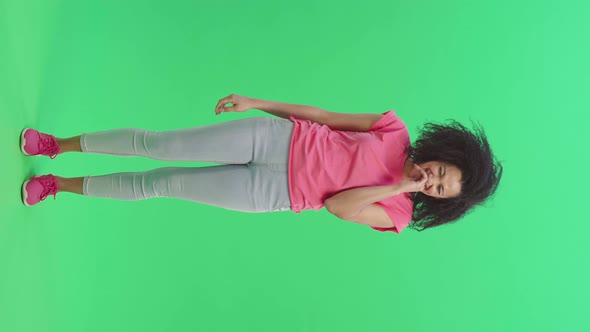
{"type": "Point", "coordinates": [35, 143]}
{"type": "Point", "coordinates": [38, 188]}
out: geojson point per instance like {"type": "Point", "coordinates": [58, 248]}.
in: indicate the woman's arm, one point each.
{"type": "Point", "coordinates": [334, 120]}
{"type": "Point", "coordinates": [285, 110]}
{"type": "Point", "coordinates": [358, 204]}
{"type": "Point", "coordinates": [348, 203]}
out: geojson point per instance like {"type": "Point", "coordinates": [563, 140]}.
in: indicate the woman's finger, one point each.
{"type": "Point", "coordinates": [424, 180]}
{"type": "Point", "coordinates": [422, 171]}
{"type": "Point", "coordinates": [226, 100]}
{"type": "Point", "coordinates": [218, 107]}
{"type": "Point", "coordinates": [221, 104]}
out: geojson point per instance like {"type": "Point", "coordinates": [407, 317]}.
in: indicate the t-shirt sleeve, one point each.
{"type": "Point", "coordinates": [388, 122]}
{"type": "Point", "coordinates": [399, 209]}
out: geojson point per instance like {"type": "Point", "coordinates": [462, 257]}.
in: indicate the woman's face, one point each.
{"type": "Point", "coordinates": [444, 179]}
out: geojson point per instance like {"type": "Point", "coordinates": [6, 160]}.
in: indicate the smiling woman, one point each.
{"type": "Point", "coordinates": [460, 158]}
{"type": "Point", "coordinates": [444, 179]}
{"type": "Point", "coordinates": [361, 167]}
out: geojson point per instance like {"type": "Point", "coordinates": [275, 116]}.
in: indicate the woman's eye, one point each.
{"type": "Point", "coordinates": [440, 171]}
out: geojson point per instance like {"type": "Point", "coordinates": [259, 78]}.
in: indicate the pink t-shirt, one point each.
{"type": "Point", "coordinates": [323, 162]}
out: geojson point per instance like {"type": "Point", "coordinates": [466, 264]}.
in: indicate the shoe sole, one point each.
{"type": "Point", "coordinates": [23, 142]}
{"type": "Point", "coordinates": [24, 193]}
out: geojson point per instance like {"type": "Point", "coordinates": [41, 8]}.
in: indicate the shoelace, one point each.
{"type": "Point", "coordinates": [48, 144]}
{"type": "Point", "coordinates": [49, 187]}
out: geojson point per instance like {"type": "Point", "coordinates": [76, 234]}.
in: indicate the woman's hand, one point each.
{"type": "Point", "coordinates": [239, 104]}
{"type": "Point", "coordinates": [417, 183]}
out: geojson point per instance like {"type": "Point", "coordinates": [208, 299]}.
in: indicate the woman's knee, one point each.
{"type": "Point", "coordinates": [160, 182]}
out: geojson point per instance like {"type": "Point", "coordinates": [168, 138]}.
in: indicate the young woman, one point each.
{"type": "Point", "coordinates": [361, 167]}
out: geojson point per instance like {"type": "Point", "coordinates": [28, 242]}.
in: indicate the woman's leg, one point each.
{"type": "Point", "coordinates": [233, 142]}
{"type": "Point", "coordinates": [259, 186]}
{"type": "Point", "coordinates": [247, 188]}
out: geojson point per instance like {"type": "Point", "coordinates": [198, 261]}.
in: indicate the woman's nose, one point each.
{"type": "Point", "coordinates": [429, 180]}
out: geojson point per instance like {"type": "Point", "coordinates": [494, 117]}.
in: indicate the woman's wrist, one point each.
{"type": "Point", "coordinates": [256, 103]}
{"type": "Point", "coordinates": [397, 189]}
{"type": "Point", "coordinates": [286, 110]}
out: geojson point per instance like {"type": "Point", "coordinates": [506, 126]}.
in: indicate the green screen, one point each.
{"type": "Point", "coordinates": [519, 68]}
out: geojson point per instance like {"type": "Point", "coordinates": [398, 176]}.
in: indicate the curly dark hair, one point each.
{"type": "Point", "coordinates": [470, 152]}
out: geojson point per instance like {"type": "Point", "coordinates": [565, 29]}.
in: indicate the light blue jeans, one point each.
{"type": "Point", "coordinates": [254, 179]}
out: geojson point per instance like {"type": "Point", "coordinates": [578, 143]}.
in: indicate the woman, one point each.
{"type": "Point", "coordinates": [361, 167]}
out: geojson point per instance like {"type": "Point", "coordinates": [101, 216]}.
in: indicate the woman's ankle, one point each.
{"type": "Point", "coordinates": [71, 185]}
{"type": "Point", "coordinates": [71, 144]}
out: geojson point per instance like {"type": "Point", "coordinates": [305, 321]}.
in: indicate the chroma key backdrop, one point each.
{"type": "Point", "coordinates": [74, 263]}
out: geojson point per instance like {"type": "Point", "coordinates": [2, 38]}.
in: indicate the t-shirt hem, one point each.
{"type": "Point", "coordinates": [294, 207]}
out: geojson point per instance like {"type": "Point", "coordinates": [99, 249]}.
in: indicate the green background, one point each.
{"type": "Point", "coordinates": [520, 68]}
